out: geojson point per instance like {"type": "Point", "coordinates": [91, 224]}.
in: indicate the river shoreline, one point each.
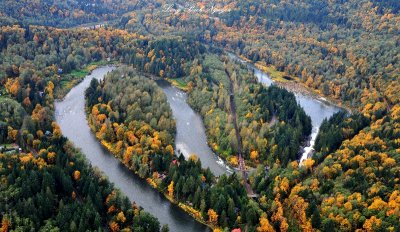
{"type": "Point", "coordinates": [182, 206]}
{"type": "Point", "coordinates": [71, 116]}
{"type": "Point", "coordinates": [221, 160]}
{"type": "Point", "coordinates": [150, 181]}
{"type": "Point", "coordinates": [192, 136]}
{"type": "Point", "coordinates": [303, 95]}
{"type": "Point", "coordinates": [314, 105]}
{"type": "Point", "coordinates": [295, 86]}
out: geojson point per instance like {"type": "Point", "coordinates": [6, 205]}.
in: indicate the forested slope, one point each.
{"type": "Point", "coordinates": [57, 190]}
{"type": "Point", "coordinates": [66, 13]}
{"type": "Point", "coordinates": [355, 186]}
{"type": "Point", "coordinates": [341, 49]}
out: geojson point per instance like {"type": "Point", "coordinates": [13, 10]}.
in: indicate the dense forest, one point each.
{"type": "Point", "coordinates": [340, 49]}
{"type": "Point", "coordinates": [46, 184]}
{"type": "Point", "coordinates": [130, 115]}
{"type": "Point", "coordinates": [132, 118]}
{"type": "Point", "coordinates": [335, 130]}
{"type": "Point", "coordinates": [167, 58]}
{"type": "Point", "coordinates": [57, 190]}
{"type": "Point", "coordinates": [353, 187]}
{"type": "Point", "coordinates": [271, 124]}
{"type": "Point", "coordinates": [65, 13]}
{"type": "Point", "coordinates": [346, 51]}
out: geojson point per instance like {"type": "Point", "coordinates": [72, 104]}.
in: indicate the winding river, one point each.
{"type": "Point", "coordinates": [317, 109]}
{"type": "Point", "coordinates": [190, 139]}
{"type": "Point", "coordinates": [191, 136]}
{"type": "Point", "coordinates": [70, 115]}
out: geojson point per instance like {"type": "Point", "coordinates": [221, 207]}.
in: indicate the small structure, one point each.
{"type": "Point", "coordinates": [162, 176]}
{"type": "Point", "coordinates": [48, 133]}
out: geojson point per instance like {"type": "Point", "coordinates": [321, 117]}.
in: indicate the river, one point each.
{"type": "Point", "coordinates": [317, 109]}
{"type": "Point", "coordinates": [190, 139]}
{"type": "Point", "coordinates": [190, 131]}
{"type": "Point", "coordinates": [70, 115]}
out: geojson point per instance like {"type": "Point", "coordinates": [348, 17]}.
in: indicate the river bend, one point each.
{"type": "Point", "coordinates": [70, 115]}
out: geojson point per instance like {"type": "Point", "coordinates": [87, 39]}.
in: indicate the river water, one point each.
{"type": "Point", "coordinates": [70, 115]}
{"type": "Point", "coordinates": [317, 109]}
{"type": "Point", "coordinates": [190, 139]}
{"type": "Point", "coordinates": [191, 136]}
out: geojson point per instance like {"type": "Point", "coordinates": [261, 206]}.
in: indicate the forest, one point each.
{"type": "Point", "coordinates": [142, 139]}
{"type": "Point", "coordinates": [131, 117]}
{"type": "Point", "coordinates": [340, 49]}
{"type": "Point", "coordinates": [48, 179]}
{"type": "Point", "coordinates": [352, 187]}
{"type": "Point", "coordinates": [320, 51]}
{"type": "Point", "coordinates": [271, 123]}
{"type": "Point", "coordinates": [57, 190]}
{"type": "Point", "coordinates": [65, 14]}
{"type": "Point", "coordinates": [345, 51]}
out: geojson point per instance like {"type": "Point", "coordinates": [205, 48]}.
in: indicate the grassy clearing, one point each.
{"type": "Point", "coordinates": [69, 80]}
{"type": "Point", "coordinates": [179, 83]}
{"type": "Point", "coordinates": [8, 145]}
{"type": "Point", "coordinates": [79, 73]}
{"type": "Point", "coordinates": [182, 83]}
{"type": "Point", "coordinates": [273, 73]}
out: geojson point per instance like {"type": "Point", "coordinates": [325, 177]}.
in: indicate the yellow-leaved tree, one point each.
{"type": "Point", "coordinates": [171, 189]}
{"type": "Point", "coordinates": [212, 216]}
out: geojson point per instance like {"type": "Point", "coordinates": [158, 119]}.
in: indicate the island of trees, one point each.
{"type": "Point", "coordinates": [130, 115]}
{"type": "Point", "coordinates": [47, 185]}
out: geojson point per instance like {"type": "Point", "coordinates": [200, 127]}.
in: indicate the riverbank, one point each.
{"type": "Point", "coordinates": [154, 178]}
{"type": "Point", "coordinates": [72, 79]}
{"type": "Point", "coordinates": [192, 136]}
{"type": "Point", "coordinates": [151, 181]}
{"type": "Point", "coordinates": [71, 116]}
{"type": "Point", "coordinates": [293, 84]}
{"type": "Point", "coordinates": [315, 106]}
{"type": "Point", "coordinates": [221, 160]}
{"type": "Point", "coordinates": [231, 164]}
